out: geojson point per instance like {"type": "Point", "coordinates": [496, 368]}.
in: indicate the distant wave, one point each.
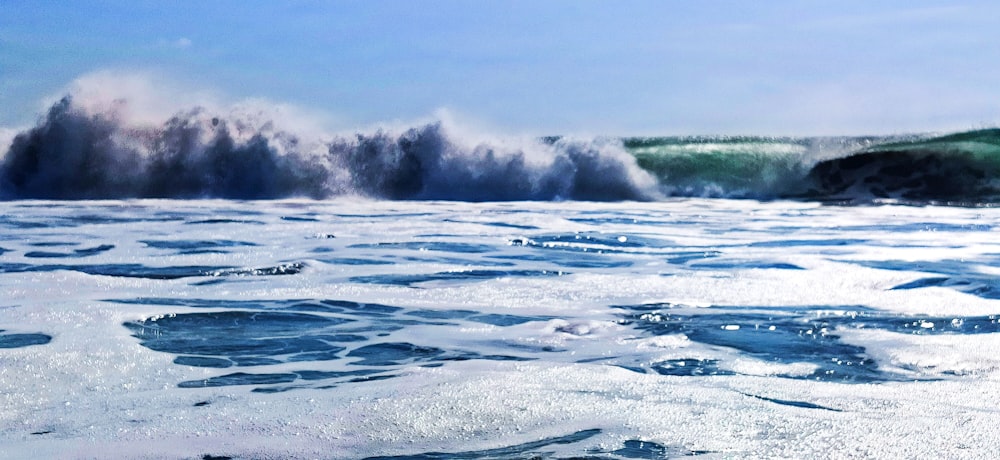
{"type": "Point", "coordinates": [75, 154]}
{"type": "Point", "coordinates": [961, 168]}
{"type": "Point", "coordinates": [80, 153]}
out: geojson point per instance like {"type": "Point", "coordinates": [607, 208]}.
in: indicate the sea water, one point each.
{"type": "Point", "coordinates": [352, 328]}
{"type": "Point", "coordinates": [232, 285]}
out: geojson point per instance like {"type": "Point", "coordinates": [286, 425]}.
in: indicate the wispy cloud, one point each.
{"type": "Point", "coordinates": [179, 43]}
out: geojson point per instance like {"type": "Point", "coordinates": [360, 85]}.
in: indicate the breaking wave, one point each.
{"type": "Point", "coordinates": [77, 151]}
{"type": "Point", "coordinates": [76, 154]}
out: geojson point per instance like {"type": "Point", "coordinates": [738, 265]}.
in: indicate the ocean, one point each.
{"type": "Point", "coordinates": [222, 286]}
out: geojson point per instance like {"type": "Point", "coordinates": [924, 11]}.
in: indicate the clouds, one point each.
{"type": "Point", "coordinates": [180, 43]}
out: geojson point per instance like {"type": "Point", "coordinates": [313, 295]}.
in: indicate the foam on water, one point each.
{"type": "Point", "coordinates": [352, 329]}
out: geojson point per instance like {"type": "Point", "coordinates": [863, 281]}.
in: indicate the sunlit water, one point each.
{"type": "Point", "coordinates": [352, 329]}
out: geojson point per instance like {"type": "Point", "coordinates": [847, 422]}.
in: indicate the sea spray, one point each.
{"type": "Point", "coordinates": [74, 153]}
{"type": "Point", "coordinates": [430, 163]}
{"type": "Point", "coordinates": [108, 149]}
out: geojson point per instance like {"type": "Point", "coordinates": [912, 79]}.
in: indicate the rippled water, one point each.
{"type": "Point", "coordinates": [349, 329]}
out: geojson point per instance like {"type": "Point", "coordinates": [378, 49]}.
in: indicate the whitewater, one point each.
{"type": "Point", "coordinates": [219, 284]}
{"type": "Point", "coordinates": [83, 150]}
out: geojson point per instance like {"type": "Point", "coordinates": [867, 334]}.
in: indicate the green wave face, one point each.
{"type": "Point", "coordinates": [734, 167]}
{"type": "Point", "coordinates": [959, 168]}
{"type": "Point", "coordinates": [977, 142]}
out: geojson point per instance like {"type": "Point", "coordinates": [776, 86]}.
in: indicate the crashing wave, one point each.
{"type": "Point", "coordinates": [92, 151]}
{"type": "Point", "coordinates": [76, 154]}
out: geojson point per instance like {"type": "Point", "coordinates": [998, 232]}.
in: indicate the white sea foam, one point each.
{"type": "Point", "coordinates": [925, 356]}
{"type": "Point", "coordinates": [609, 343]}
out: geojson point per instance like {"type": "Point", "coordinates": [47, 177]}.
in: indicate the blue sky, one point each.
{"type": "Point", "coordinates": [537, 67]}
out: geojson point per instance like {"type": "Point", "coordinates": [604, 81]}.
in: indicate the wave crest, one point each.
{"type": "Point", "coordinates": [92, 150]}
{"type": "Point", "coordinates": [961, 168]}
{"type": "Point", "coordinates": [75, 153]}
{"type": "Point", "coordinates": [429, 163]}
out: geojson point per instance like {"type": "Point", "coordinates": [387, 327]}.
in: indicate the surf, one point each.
{"type": "Point", "coordinates": [74, 153]}
{"type": "Point", "coordinates": [959, 169]}
{"type": "Point", "coordinates": [80, 150]}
